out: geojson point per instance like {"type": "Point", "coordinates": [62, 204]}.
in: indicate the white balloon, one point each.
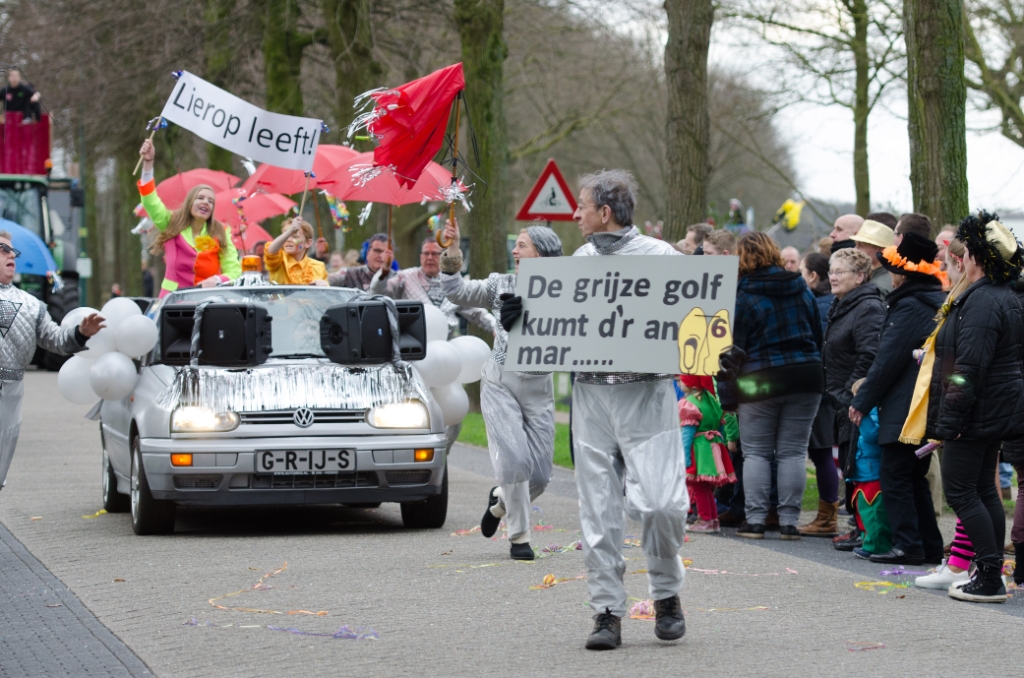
{"type": "Point", "coordinates": [75, 316]}
{"type": "Point", "coordinates": [453, 401]}
{"type": "Point", "coordinates": [113, 376]}
{"type": "Point", "coordinates": [116, 310]}
{"type": "Point", "coordinates": [101, 343]}
{"type": "Point", "coordinates": [73, 381]}
{"type": "Point", "coordinates": [441, 366]}
{"type": "Point", "coordinates": [437, 324]}
{"type": "Point", "coordinates": [136, 336]}
{"type": "Point", "coordinates": [473, 351]}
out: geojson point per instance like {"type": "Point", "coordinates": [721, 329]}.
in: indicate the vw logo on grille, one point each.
{"type": "Point", "coordinates": [303, 417]}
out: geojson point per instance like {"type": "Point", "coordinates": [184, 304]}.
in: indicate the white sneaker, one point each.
{"type": "Point", "coordinates": [942, 578]}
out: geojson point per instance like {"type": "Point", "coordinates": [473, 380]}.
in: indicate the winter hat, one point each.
{"type": "Point", "coordinates": [992, 246]}
{"type": "Point", "coordinates": [874, 233]}
{"type": "Point", "coordinates": [914, 258]}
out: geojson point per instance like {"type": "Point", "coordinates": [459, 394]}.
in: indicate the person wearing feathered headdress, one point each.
{"type": "Point", "coordinates": [976, 394]}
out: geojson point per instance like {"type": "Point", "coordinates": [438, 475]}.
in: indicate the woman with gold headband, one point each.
{"type": "Point", "coordinates": [976, 394]}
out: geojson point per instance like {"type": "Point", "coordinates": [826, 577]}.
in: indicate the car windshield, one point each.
{"type": "Point", "coordinates": [296, 311]}
{"type": "Point", "coordinates": [20, 203]}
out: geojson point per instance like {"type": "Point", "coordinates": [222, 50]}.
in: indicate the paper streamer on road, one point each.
{"type": "Point", "coordinates": [259, 586]}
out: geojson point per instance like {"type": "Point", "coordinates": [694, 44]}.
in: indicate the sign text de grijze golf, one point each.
{"type": "Point", "coordinates": [623, 314]}
{"type": "Point", "coordinates": [249, 131]}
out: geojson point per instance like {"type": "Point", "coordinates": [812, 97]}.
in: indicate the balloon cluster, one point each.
{"type": "Point", "coordinates": [105, 368]}
{"type": "Point", "coordinates": [450, 364]}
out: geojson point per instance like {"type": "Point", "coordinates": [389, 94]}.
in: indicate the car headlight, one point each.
{"type": "Point", "coordinates": [196, 419]}
{"type": "Point", "coordinates": [412, 414]}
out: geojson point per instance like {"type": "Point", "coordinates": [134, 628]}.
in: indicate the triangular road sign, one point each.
{"type": "Point", "coordinates": [550, 198]}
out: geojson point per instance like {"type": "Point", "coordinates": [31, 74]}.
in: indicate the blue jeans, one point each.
{"type": "Point", "coordinates": [777, 429]}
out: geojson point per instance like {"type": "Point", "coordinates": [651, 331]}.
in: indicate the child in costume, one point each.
{"type": "Point", "coordinates": [872, 519]}
{"type": "Point", "coordinates": [285, 256]}
{"type": "Point", "coordinates": [708, 464]}
{"type": "Point", "coordinates": [197, 248]}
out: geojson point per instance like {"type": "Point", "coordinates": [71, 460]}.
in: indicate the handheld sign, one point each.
{"type": "Point", "coordinates": [550, 198]}
{"type": "Point", "coordinates": [249, 131]}
{"type": "Point", "coordinates": [659, 314]}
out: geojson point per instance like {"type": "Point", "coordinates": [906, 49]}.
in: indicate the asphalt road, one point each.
{"type": "Point", "coordinates": [438, 602]}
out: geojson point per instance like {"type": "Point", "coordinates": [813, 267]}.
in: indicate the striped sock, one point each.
{"type": "Point", "coordinates": [962, 552]}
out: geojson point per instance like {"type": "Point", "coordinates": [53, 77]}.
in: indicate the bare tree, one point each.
{"type": "Point", "coordinates": [845, 52]}
{"type": "Point", "coordinates": [996, 71]}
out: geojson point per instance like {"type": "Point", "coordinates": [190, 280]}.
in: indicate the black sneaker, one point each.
{"type": "Point", "coordinates": [607, 633]}
{"type": "Point", "coordinates": [522, 551]}
{"type": "Point", "coordinates": [489, 523]}
{"type": "Point", "coordinates": [986, 586]}
{"type": "Point", "coordinates": [751, 530]}
{"type": "Point", "coordinates": [789, 532]}
{"type": "Point", "coordinates": [855, 540]}
{"type": "Point", "coordinates": [669, 623]}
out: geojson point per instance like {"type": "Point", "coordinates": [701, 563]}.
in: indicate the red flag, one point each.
{"type": "Point", "coordinates": [410, 122]}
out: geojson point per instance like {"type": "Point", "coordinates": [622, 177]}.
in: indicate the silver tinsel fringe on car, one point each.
{"type": "Point", "coordinates": [285, 387]}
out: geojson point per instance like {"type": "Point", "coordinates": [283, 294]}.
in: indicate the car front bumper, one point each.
{"type": "Point", "coordinates": [224, 471]}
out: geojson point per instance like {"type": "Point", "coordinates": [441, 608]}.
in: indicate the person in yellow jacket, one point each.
{"type": "Point", "coordinates": [286, 260]}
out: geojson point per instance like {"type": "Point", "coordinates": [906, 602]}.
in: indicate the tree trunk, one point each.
{"type": "Point", "coordinates": [861, 106]}
{"type": "Point", "coordinates": [282, 56]}
{"type": "Point", "coordinates": [481, 24]}
{"type": "Point", "coordinates": [94, 239]}
{"type": "Point", "coordinates": [218, 52]}
{"type": "Point", "coordinates": [688, 128]}
{"type": "Point", "coordinates": [936, 97]}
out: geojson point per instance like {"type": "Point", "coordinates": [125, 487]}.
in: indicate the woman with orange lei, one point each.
{"type": "Point", "coordinates": [197, 248]}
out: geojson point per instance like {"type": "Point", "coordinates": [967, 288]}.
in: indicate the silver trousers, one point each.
{"type": "Point", "coordinates": [628, 434]}
{"type": "Point", "coordinates": [11, 393]}
{"type": "Point", "coordinates": [519, 413]}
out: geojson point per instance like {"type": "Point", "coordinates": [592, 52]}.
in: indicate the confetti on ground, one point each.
{"type": "Point", "coordinates": [550, 580]}
{"type": "Point", "coordinates": [99, 513]}
{"type": "Point", "coordinates": [118, 580]}
{"type": "Point", "coordinates": [630, 543]}
{"type": "Point", "coordinates": [463, 533]}
{"type": "Point", "coordinates": [552, 549]}
{"type": "Point", "coordinates": [900, 571]}
{"type": "Point", "coordinates": [862, 646]}
{"type": "Point", "coordinates": [55, 605]}
{"type": "Point", "coordinates": [260, 586]}
{"type": "Point", "coordinates": [36, 518]}
{"type": "Point", "coordinates": [344, 633]}
{"type": "Point", "coordinates": [739, 574]}
{"type": "Point", "coordinates": [885, 586]}
{"type": "Point", "coordinates": [642, 610]}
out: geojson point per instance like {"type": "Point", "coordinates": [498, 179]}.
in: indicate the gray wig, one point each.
{"type": "Point", "coordinates": [546, 241]}
{"type": "Point", "coordinates": [615, 188]}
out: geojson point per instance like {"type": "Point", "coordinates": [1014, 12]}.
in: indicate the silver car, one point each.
{"type": "Point", "coordinates": [298, 429]}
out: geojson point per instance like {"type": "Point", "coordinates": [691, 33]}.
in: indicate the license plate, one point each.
{"type": "Point", "coordinates": [303, 462]}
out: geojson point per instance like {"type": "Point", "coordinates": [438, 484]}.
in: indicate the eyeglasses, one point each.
{"type": "Point", "coordinates": [839, 271]}
{"type": "Point", "coordinates": [4, 247]}
{"type": "Point", "coordinates": [430, 254]}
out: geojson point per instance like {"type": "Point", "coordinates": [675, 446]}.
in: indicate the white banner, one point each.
{"type": "Point", "coordinates": [623, 314]}
{"type": "Point", "coordinates": [229, 122]}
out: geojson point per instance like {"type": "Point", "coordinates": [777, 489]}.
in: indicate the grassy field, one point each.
{"type": "Point", "coordinates": [474, 433]}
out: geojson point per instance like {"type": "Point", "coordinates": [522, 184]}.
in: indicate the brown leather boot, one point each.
{"type": "Point", "coordinates": [826, 522]}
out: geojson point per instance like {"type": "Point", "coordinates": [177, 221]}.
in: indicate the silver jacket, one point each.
{"type": "Point", "coordinates": [413, 283]}
{"type": "Point", "coordinates": [625, 241]}
{"type": "Point", "coordinates": [483, 294]}
{"type": "Point", "coordinates": [24, 323]}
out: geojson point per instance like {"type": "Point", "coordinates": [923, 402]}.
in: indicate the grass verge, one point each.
{"type": "Point", "coordinates": [474, 433]}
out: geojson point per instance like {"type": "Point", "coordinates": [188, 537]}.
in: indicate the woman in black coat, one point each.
{"type": "Point", "coordinates": [854, 321]}
{"type": "Point", "coordinates": [976, 395]}
{"type": "Point", "coordinates": [889, 386]}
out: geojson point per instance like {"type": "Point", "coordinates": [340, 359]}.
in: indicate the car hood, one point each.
{"type": "Point", "coordinates": [290, 385]}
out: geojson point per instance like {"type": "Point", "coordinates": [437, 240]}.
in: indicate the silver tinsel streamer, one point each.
{"type": "Point", "coordinates": [322, 385]}
{"type": "Point", "coordinates": [364, 213]}
{"type": "Point", "coordinates": [451, 193]}
{"type": "Point", "coordinates": [364, 174]}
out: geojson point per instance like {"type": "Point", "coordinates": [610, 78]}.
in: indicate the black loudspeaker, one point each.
{"type": "Point", "coordinates": [358, 332]}
{"type": "Point", "coordinates": [231, 335]}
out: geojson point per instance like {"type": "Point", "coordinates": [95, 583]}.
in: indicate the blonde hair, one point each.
{"type": "Point", "coordinates": [723, 241]}
{"type": "Point", "coordinates": [858, 262]}
{"type": "Point", "coordinates": [181, 219]}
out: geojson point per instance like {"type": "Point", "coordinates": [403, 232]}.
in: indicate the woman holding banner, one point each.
{"type": "Point", "coordinates": [518, 407]}
{"type": "Point", "coordinates": [197, 248]}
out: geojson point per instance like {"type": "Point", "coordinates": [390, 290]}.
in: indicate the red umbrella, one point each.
{"type": "Point", "coordinates": [288, 181]}
{"type": "Point", "coordinates": [256, 207]}
{"type": "Point", "coordinates": [174, 189]}
{"type": "Point", "coordinates": [253, 234]}
{"type": "Point", "coordinates": [385, 188]}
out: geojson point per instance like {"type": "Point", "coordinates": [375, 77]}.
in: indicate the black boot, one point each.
{"type": "Point", "coordinates": [489, 523]}
{"type": "Point", "coordinates": [1018, 567]}
{"type": "Point", "coordinates": [669, 623]}
{"type": "Point", "coordinates": [522, 551]}
{"type": "Point", "coordinates": [986, 586]}
{"type": "Point", "coordinates": [607, 633]}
